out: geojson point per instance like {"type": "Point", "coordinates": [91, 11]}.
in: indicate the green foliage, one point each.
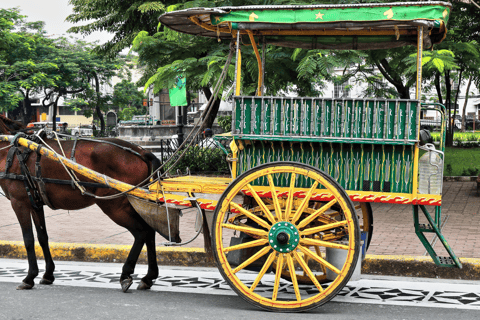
{"type": "Point", "coordinates": [199, 159]}
{"type": "Point", "coordinates": [461, 161]}
{"type": "Point", "coordinates": [225, 122]}
{"type": "Point", "coordinates": [130, 100]}
{"type": "Point", "coordinates": [460, 136]}
{"type": "Point", "coordinates": [128, 113]}
{"type": "Point", "coordinates": [24, 67]}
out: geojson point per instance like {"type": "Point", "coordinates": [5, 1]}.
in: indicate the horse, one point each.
{"type": "Point", "coordinates": [112, 157]}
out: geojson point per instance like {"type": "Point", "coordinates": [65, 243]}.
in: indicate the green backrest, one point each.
{"type": "Point", "coordinates": [376, 121]}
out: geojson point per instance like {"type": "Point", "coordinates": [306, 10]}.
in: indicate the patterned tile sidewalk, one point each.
{"type": "Point", "coordinates": [393, 225]}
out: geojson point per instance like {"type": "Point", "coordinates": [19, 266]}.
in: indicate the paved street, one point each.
{"type": "Point", "coordinates": [92, 291]}
{"type": "Point", "coordinates": [393, 225]}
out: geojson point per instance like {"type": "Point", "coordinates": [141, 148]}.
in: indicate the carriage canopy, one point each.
{"type": "Point", "coordinates": [352, 26]}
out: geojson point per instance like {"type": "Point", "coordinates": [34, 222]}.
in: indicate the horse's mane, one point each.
{"type": "Point", "coordinates": [8, 126]}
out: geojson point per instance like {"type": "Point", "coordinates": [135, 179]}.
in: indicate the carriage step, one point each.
{"type": "Point", "coordinates": [446, 261]}
{"type": "Point", "coordinates": [425, 227]}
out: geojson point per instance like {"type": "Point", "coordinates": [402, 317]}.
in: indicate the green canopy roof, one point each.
{"type": "Point", "coordinates": [352, 26]}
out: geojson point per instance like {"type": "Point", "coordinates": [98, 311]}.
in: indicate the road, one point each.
{"type": "Point", "coordinates": [91, 291]}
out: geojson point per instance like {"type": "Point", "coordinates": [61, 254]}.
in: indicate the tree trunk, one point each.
{"type": "Point", "coordinates": [97, 105]}
{"type": "Point", "coordinates": [438, 88]}
{"type": "Point", "coordinates": [448, 105]}
{"type": "Point", "coordinates": [54, 120]}
{"type": "Point", "coordinates": [26, 106]}
{"type": "Point", "coordinates": [393, 78]}
{"type": "Point", "coordinates": [213, 114]}
{"type": "Point", "coordinates": [465, 104]}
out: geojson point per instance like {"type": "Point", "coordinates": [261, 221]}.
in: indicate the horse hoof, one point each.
{"type": "Point", "coordinates": [46, 281]}
{"type": "Point", "coordinates": [24, 286]}
{"type": "Point", "coordinates": [143, 286]}
{"type": "Point", "coordinates": [126, 284]}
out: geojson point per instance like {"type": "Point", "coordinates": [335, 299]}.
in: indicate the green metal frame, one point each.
{"type": "Point", "coordinates": [433, 226]}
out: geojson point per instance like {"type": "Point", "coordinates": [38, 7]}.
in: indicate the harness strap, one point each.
{"type": "Point", "coordinates": [29, 185]}
{"type": "Point", "coordinates": [9, 160]}
{"type": "Point", "coordinates": [40, 183]}
{"type": "Point", "coordinates": [12, 176]}
{"type": "Point", "coordinates": [72, 157]}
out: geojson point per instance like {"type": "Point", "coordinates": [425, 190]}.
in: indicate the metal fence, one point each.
{"type": "Point", "coordinates": [204, 155]}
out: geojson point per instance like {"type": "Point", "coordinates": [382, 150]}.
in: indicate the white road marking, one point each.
{"type": "Point", "coordinates": [369, 289]}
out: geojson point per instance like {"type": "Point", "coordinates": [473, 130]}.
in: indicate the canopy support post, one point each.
{"type": "Point", "coordinates": [418, 93]}
{"type": "Point", "coordinates": [238, 66]}
{"type": "Point", "coordinates": [259, 63]}
{"type": "Point", "coordinates": [264, 49]}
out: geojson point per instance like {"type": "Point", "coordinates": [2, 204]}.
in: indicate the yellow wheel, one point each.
{"type": "Point", "coordinates": [284, 231]}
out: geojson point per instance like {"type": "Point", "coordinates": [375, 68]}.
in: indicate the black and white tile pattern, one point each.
{"type": "Point", "coordinates": [369, 290]}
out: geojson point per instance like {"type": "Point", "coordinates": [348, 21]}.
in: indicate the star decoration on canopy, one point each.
{"type": "Point", "coordinates": [319, 15]}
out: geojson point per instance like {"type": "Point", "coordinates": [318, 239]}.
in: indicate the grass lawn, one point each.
{"type": "Point", "coordinates": [462, 161]}
{"type": "Point", "coordinates": [459, 136]}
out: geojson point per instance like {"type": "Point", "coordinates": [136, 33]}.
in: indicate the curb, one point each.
{"type": "Point", "coordinates": [388, 265]}
{"type": "Point", "coordinates": [460, 178]}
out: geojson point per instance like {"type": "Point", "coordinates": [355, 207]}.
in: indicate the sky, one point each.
{"type": "Point", "coordinates": [53, 13]}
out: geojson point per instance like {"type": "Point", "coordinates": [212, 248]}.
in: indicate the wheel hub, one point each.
{"type": "Point", "coordinates": [283, 237]}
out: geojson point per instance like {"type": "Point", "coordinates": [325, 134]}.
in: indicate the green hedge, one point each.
{"type": "Point", "coordinates": [197, 159]}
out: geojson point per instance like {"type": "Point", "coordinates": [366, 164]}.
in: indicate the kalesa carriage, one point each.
{"type": "Point", "coordinates": [289, 226]}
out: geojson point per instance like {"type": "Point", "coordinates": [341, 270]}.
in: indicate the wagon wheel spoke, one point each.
{"type": "Point", "coordinates": [248, 230]}
{"type": "Point", "coordinates": [307, 270]}
{"type": "Point", "coordinates": [278, 273]}
{"type": "Point", "coordinates": [249, 244]}
{"type": "Point", "coordinates": [317, 213]}
{"type": "Point", "coordinates": [314, 242]}
{"type": "Point", "coordinates": [326, 227]}
{"type": "Point", "coordinates": [304, 203]}
{"type": "Point", "coordinates": [294, 277]}
{"type": "Point", "coordinates": [262, 205]}
{"type": "Point", "coordinates": [318, 258]}
{"type": "Point", "coordinates": [276, 203]}
{"type": "Point", "coordinates": [250, 215]}
{"type": "Point", "coordinates": [289, 204]}
{"type": "Point", "coordinates": [265, 267]}
{"type": "Point", "coordinates": [252, 259]}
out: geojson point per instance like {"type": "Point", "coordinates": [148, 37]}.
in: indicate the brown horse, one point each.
{"type": "Point", "coordinates": [115, 158]}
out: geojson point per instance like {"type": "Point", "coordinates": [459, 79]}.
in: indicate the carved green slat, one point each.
{"type": "Point", "coordinates": [307, 117]}
{"type": "Point", "coordinates": [238, 116]}
{"type": "Point", "coordinates": [257, 126]}
{"type": "Point", "coordinates": [277, 118]}
{"type": "Point", "coordinates": [247, 116]}
{"type": "Point", "coordinates": [267, 120]}
{"type": "Point", "coordinates": [328, 116]}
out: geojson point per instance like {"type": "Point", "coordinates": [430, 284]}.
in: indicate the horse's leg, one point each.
{"type": "Point", "coordinates": [129, 265]}
{"type": "Point", "coordinates": [23, 215]}
{"type": "Point", "coordinates": [39, 220]}
{"type": "Point", "coordinates": [123, 214]}
{"type": "Point", "coordinates": [152, 273]}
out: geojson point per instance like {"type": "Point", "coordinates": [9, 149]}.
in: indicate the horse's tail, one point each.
{"type": "Point", "coordinates": [152, 161]}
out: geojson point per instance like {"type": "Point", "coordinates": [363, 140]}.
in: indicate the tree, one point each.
{"type": "Point", "coordinates": [23, 68]}
{"type": "Point", "coordinates": [127, 97]}
{"type": "Point", "coordinates": [79, 77]}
